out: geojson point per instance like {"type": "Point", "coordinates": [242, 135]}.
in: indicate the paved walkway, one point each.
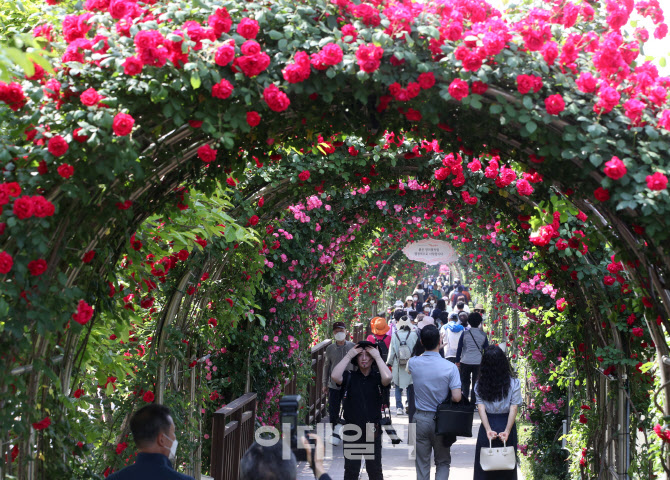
{"type": "Point", "coordinates": [398, 465]}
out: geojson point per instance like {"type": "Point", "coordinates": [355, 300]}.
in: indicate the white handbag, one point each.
{"type": "Point", "coordinates": [499, 458]}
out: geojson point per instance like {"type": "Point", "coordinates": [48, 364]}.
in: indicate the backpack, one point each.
{"type": "Point", "coordinates": [383, 349]}
{"type": "Point", "coordinates": [404, 352]}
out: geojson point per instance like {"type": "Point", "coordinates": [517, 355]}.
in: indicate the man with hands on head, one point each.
{"type": "Point", "coordinates": [362, 401]}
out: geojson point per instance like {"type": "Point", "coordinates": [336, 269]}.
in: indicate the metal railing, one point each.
{"type": "Point", "coordinates": [232, 435]}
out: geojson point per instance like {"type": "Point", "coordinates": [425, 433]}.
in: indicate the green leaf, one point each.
{"type": "Point", "coordinates": [528, 102]}
{"type": "Point", "coordinates": [531, 126]}
{"type": "Point", "coordinates": [496, 109]}
{"type": "Point", "coordinates": [195, 80]}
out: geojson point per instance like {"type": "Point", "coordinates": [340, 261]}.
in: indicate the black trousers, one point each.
{"type": "Point", "coordinates": [334, 402]}
{"type": "Point", "coordinates": [468, 372]}
{"type": "Point", "coordinates": [411, 402]}
{"type": "Point", "coordinates": [368, 447]}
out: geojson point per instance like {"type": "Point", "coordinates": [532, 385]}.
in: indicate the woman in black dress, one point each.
{"type": "Point", "coordinates": [498, 399]}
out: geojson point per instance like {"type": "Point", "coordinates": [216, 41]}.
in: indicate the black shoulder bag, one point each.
{"type": "Point", "coordinates": [454, 419]}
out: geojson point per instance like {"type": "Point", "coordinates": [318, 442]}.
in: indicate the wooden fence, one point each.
{"type": "Point", "coordinates": [359, 333]}
{"type": "Point", "coordinates": [232, 435]}
{"type": "Point", "coordinates": [316, 409]}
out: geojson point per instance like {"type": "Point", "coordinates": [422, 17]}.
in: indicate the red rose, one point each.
{"type": "Point", "coordinates": [523, 187]}
{"type": "Point", "coordinates": [78, 393]}
{"type": "Point", "coordinates": [231, 182]}
{"type": "Point", "coordinates": [230, 301]}
{"type": "Point", "coordinates": [42, 424]}
{"type": "Point", "coordinates": [253, 119]}
{"type": "Point", "coordinates": [304, 175]}
{"type": "Point", "coordinates": [426, 80]}
{"type": "Point", "coordinates": [458, 89]}
{"type": "Point", "coordinates": [88, 256]}
{"type": "Point", "coordinates": [79, 138]}
{"type": "Point", "coordinates": [122, 124]}
{"type": "Point", "coordinates": [479, 88]}
{"type": "Point", "coordinates": [554, 104]}
{"type": "Point", "coordinates": [6, 263]}
{"type": "Point", "coordinates": [121, 447]}
{"type": "Point", "coordinates": [615, 169]}
{"type": "Point", "coordinates": [637, 332]}
{"type": "Point", "coordinates": [587, 83]}
{"type": "Point", "coordinates": [57, 146]}
{"type": "Point", "coordinates": [657, 181]}
{"type": "Point", "coordinates": [369, 57]}
{"type": "Point", "coordinates": [222, 90]}
{"type": "Point", "coordinates": [524, 83]}
{"type": "Point", "coordinates": [90, 97]}
{"type": "Point", "coordinates": [561, 303]}
{"type": "Point", "coordinates": [23, 207]}
{"type": "Point", "coordinates": [42, 207]}
{"type": "Point", "coordinates": [124, 205]}
{"type": "Point", "coordinates": [65, 170]}
{"type": "Point", "coordinates": [84, 313]}
{"type": "Point", "coordinates": [442, 173]}
{"type": "Point", "coordinates": [349, 30]}
{"type": "Point", "coordinates": [206, 153]}
{"type": "Point", "coordinates": [37, 267]}
{"type": "Point", "coordinates": [253, 221]}
{"type": "Point", "coordinates": [148, 397]}
{"type": "Point", "coordinates": [224, 54]}
{"type": "Point", "coordinates": [608, 280]}
{"type": "Point", "coordinates": [212, 322]}
{"type": "Point", "coordinates": [132, 66]}
{"type": "Point", "coordinates": [277, 100]}
{"type": "Point", "coordinates": [248, 28]}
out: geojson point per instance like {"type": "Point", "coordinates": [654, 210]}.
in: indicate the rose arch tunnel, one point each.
{"type": "Point", "coordinates": [193, 193]}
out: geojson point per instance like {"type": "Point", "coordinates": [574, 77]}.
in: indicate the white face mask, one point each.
{"type": "Point", "coordinates": [416, 299]}
{"type": "Point", "coordinates": [339, 336]}
{"type": "Point", "coordinates": [173, 449]}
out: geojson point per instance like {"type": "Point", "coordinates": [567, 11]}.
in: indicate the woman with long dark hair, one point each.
{"type": "Point", "coordinates": [498, 396]}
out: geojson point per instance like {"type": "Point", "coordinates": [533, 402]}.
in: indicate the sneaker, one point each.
{"type": "Point", "coordinates": [399, 411]}
{"type": "Point", "coordinates": [335, 439]}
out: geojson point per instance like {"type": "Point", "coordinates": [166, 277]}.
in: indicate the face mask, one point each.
{"type": "Point", "coordinates": [339, 336]}
{"type": "Point", "coordinates": [173, 449]}
{"type": "Point", "coordinates": [416, 299]}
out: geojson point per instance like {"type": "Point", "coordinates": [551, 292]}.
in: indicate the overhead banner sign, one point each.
{"type": "Point", "coordinates": [431, 252]}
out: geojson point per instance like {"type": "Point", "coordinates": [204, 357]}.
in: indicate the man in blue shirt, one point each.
{"type": "Point", "coordinates": [153, 432]}
{"type": "Point", "coordinates": [433, 378]}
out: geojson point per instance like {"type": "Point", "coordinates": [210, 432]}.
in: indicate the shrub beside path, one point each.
{"type": "Point", "coordinates": [396, 460]}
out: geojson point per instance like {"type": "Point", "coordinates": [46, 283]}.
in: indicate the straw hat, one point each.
{"type": "Point", "coordinates": [379, 326]}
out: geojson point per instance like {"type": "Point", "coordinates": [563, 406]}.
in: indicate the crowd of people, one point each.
{"type": "Point", "coordinates": [431, 347]}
